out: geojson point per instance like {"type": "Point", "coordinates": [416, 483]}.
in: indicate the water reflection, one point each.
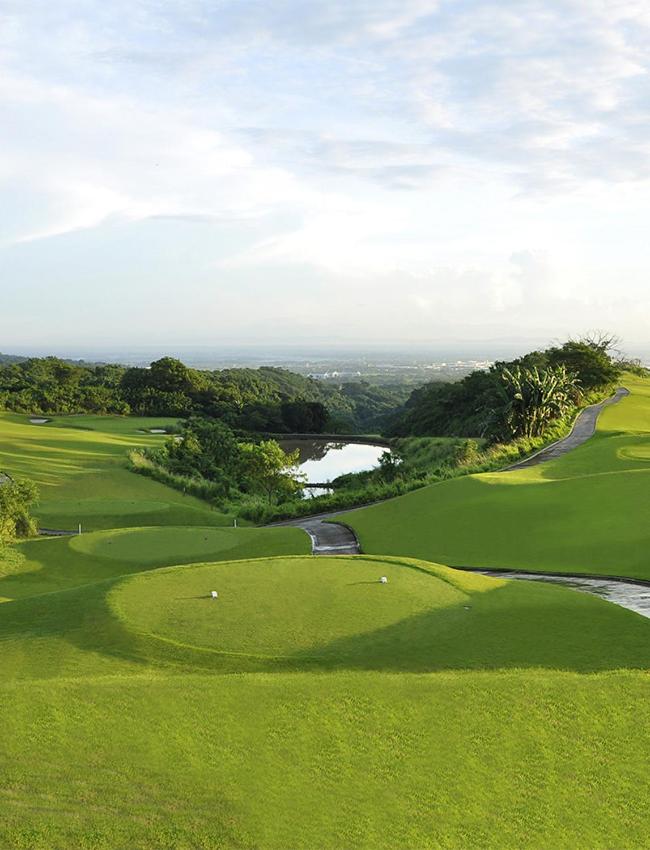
{"type": "Point", "coordinates": [324, 460]}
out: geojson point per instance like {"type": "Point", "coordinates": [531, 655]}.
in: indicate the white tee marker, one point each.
{"type": "Point", "coordinates": [214, 594]}
{"type": "Point", "coordinates": [383, 580]}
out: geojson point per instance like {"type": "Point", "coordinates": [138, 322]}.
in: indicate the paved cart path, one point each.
{"type": "Point", "coordinates": [336, 538]}
{"type": "Point", "coordinates": [628, 593]}
{"type": "Point", "coordinates": [583, 428]}
{"type": "Point", "coordinates": [327, 538]}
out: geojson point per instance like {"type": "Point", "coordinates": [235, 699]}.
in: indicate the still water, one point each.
{"type": "Point", "coordinates": [324, 460]}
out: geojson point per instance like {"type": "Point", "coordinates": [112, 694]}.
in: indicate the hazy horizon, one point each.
{"type": "Point", "coordinates": [340, 173]}
{"type": "Point", "coordinates": [221, 356]}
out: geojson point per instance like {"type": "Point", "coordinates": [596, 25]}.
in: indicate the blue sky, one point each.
{"type": "Point", "coordinates": [242, 171]}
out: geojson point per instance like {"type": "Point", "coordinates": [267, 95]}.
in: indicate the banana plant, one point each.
{"type": "Point", "coordinates": [534, 397]}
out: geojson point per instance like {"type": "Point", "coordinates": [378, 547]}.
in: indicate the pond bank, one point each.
{"type": "Point", "coordinates": [362, 440]}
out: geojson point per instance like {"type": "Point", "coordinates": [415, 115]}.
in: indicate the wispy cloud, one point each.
{"type": "Point", "coordinates": [484, 157]}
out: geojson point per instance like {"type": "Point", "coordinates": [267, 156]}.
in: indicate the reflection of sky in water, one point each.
{"type": "Point", "coordinates": [323, 460]}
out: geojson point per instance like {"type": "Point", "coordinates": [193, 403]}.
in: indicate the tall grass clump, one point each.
{"type": "Point", "coordinates": [137, 461]}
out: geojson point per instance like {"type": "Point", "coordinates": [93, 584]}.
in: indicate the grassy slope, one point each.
{"type": "Point", "coordinates": [50, 564]}
{"type": "Point", "coordinates": [585, 512]}
{"type": "Point", "coordinates": [80, 472]}
{"type": "Point", "coordinates": [78, 463]}
{"type": "Point", "coordinates": [321, 709]}
{"type": "Point", "coordinates": [119, 732]}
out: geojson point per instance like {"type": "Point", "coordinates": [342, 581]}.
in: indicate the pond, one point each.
{"type": "Point", "coordinates": [324, 460]}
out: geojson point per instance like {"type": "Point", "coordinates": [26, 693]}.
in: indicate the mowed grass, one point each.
{"type": "Point", "coordinates": [79, 465]}
{"type": "Point", "coordinates": [586, 512]}
{"type": "Point", "coordinates": [440, 710]}
{"type": "Point", "coordinates": [46, 565]}
{"type": "Point", "coordinates": [309, 706]}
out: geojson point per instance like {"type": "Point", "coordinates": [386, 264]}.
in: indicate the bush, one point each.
{"type": "Point", "coordinates": [194, 486]}
{"type": "Point", "coordinates": [16, 499]}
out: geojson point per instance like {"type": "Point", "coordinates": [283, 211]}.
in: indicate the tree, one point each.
{"type": "Point", "coordinates": [304, 417]}
{"type": "Point", "coordinates": [16, 498]}
{"type": "Point", "coordinates": [209, 449]}
{"type": "Point", "coordinates": [588, 359]}
{"type": "Point", "coordinates": [171, 376]}
{"type": "Point", "coordinates": [270, 470]}
{"type": "Point", "coordinates": [389, 463]}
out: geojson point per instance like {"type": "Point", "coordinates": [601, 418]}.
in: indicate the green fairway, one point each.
{"type": "Point", "coordinates": [310, 705]}
{"type": "Point", "coordinates": [585, 512]}
{"type": "Point", "coordinates": [78, 463]}
{"type": "Point", "coordinates": [57, 563]}
{"type": "Point", "coordinates": [441, 709]}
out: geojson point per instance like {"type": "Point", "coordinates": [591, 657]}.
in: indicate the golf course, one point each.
{"type": "Point", "coordinates": [585, 512]}
{"type": "Point", "coordinates": [309, 704]}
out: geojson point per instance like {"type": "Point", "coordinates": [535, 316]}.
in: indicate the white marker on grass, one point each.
{"type": "Point", "coordinates": [383, 580]}
{"type": "Point", "coordinates": [214, 594]}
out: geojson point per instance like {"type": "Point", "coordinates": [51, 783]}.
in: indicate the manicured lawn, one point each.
{"type": "Point", "coordinates": [585, 512]}
{"type": "Point", "coordinates": [58, 563]}
{"type": "Point", "coordinates": [450, 711]}
{"type": "Point", "coordinates": [311, 706]}
{"type": "Point", "coordinates": [79, 465]}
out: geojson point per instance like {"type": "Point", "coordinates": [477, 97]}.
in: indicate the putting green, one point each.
{"type": "Point", "coordinates": [333, 613]}
{"type": "Point", "coordinates": [160, 545]}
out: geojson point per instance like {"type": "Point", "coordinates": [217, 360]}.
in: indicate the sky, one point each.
{"type": "Point", "coordinates": [331, 172]}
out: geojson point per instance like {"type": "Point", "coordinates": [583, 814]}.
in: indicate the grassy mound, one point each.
{"type": "Point", "coordinates": [420, 713]}
{"type": "Point", "coordinates": [305, 613]}
{"type": "Point", "coordinates": [335, 613]}
{"type": "Point", "coordinates": [585, 512]}
{"type": "Point", "coordinates": [279, 607]}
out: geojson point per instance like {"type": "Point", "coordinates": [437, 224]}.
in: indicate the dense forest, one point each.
{"type": "Point", "coordinates": [513, 399]}
{"type": "Point", "coordinates": [267, 399]}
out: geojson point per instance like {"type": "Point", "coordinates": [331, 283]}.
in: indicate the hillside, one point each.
{"type": "Point", "coordinates": [585, 512]}
{"type": "Point", "coordinates": [250, 399]}
{"type": "Point", "coordinates": [308, 705]}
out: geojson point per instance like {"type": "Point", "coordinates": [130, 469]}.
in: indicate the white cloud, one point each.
{"type": "Point", "coordinates": [480, 161]}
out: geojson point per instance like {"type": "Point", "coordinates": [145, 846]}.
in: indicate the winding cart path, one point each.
{"type": "Point", "coordinates": [583, 428]}
{"type": "Point", "coordinates": [336, 538]}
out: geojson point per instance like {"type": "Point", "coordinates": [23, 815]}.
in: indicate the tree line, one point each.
{"type": "Point", "coordinates": [267, 399]}
{"type": "Point", "coordinates": [519, 398]}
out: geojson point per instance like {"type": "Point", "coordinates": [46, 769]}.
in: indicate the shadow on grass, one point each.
{"type": "Point", "coordinates": [515, 625]}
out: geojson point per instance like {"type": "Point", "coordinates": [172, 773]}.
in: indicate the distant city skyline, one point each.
{"type": "Point", "coordinates": [387, 174]}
